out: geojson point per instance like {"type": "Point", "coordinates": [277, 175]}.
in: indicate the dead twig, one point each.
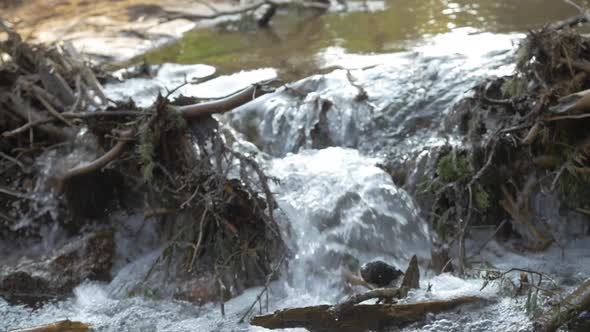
{"type": "Point", "coordinates": [147, 214]}
{"type": "Point", "coordinates": [265, 289]}
{"type": "Point", "coordinates": [567, 117]}
{"type": "Point", "coordinates": [222, 105]}
{"type": "Point", "coordinates": [198, 245]}
{"type": "Point", "coordinates": [16, 194]}
{"type": "Point", "coordinates": [23, 167]}
{"type": "Point", "coordinates": [52, 110]}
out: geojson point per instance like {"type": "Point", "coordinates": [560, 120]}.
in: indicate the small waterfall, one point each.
{"type": "Point", "coordinates": [344, 211]}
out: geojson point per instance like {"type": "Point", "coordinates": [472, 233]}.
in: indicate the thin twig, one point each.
{"type": "Point", "coordinates": [16, 194]}
{"type": "Point", "coordinates": [268, 279]}
{"type": "Point", "coordinates": [16, 161]}
{"type": "Point", "coordinates": [567, 117]}
{"type": "Point", "coordinates": [52, 110]}
{"type": "Point", "coordinates": [485, 243]}
{"type": "Point", "coordinates": [198, 245]}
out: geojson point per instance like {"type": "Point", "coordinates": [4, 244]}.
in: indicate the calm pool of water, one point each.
{"type": "Point", "coordinates": [296, 36]}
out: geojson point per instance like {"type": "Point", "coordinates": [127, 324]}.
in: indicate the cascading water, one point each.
{"type": "Point", "coordinates": [344, 211]}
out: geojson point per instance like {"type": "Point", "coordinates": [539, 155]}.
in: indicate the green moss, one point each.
{"type": "Point", "coordinates": [482, 199]}
{"type": "Point", "coordinates": [450, 168]}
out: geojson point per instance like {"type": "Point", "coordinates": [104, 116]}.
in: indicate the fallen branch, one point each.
{"type": "Point", "coordinates": [222, 105]}
{"type": "Point", "coordinates": [361, 317]}
{"type": "Point", "coordinates": [101, 162]}
{"type": "Point", "coordinates": [188, 112]}
{"type": "Point", "coordinates": [569, 22]}
{"type": "Point", "coordinates": [567, 117]}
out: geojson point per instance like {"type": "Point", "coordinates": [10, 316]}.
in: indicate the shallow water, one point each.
{"type": "Point", "coordinates": [414, 59]}
{"type": "Point", "coordinates": [297, 36]}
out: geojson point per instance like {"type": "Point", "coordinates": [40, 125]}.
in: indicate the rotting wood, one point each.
{"type": "Point", "coordinates": [361, 317]}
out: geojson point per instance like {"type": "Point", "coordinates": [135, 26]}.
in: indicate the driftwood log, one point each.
{"type": "Point", "coordinates": [59, 326]}
{"type": "Point", "coordinates": [567, 310]}
{"type": "Point", "coordinates": [362, 317]}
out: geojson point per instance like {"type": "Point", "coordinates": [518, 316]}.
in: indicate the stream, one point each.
{"type": "Point", "coordinates": [338, 209]}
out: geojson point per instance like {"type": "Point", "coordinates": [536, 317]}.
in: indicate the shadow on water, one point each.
{"type": "Point", "coordinates": [296, 34]}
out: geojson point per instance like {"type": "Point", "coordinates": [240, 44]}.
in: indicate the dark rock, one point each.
{"type": "Point", "coordinates": [22, 288]}
{"type": "Point", "coordinates": [93, 195]}
{"type": "Point", "coordinates": [91, 258]}
{"type": "Point", "coordinates": [380, 273]}
{"type": "Point", "coordinates": [56, 275]}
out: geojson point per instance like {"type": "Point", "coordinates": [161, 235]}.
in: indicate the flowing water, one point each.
{"type": "Point", "coordinates": [392, 74]}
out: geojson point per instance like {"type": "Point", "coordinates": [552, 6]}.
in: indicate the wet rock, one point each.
{"type": "Point", "coordinates": [56, 275]}
{"type": "Point", "coordinates": [91, 258]}
{"type": "Point", "coordinates": [379, 273]}
{"type": "Point", "coordinates": [203, 290]}
{"type": "Point", "coordinates": [22, 288]}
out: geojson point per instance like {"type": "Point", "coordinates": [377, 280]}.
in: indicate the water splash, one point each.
{"type": "Point", "coordinates": [345, 211]}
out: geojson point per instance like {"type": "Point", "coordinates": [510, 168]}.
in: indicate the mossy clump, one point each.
{"type": "Point", "coordinates": [452, 167]}
{"type": "Point", "coordinates": [482, 199]}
